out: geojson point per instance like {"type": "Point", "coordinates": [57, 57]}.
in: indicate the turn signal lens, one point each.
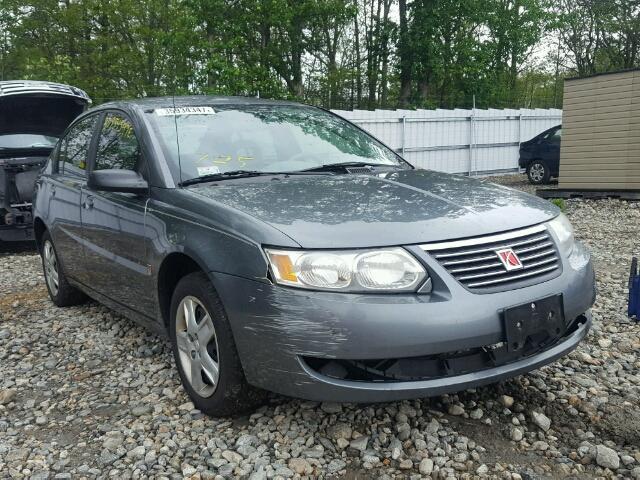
{"type": "Point", "coordinates": [392, 269]}
{"type": "Point", "coordinates": [283, 267]}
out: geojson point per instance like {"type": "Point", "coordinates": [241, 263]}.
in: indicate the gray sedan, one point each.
{"type": "Point", "coordinates": [282, 248]}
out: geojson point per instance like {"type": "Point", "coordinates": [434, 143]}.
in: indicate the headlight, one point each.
{"type": "Point", "coordinates": [389, 269]}
{"type": "Point", "coordinates": [561, 226]}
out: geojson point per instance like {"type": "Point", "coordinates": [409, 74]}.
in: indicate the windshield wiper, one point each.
{"type": "Point", "coordinates": [231, 174]}
{"type": "Point", "coordinates": [343, 165]}
{"type": "Point", "coordinates": [27, 147]}
{"type": "Point", "coordinates": [242, 174]}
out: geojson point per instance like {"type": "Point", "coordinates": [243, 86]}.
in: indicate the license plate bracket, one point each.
{"type": "Point", "coordinates": [545, 315]}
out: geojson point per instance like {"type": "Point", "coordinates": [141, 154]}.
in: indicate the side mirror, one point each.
{"type": "Point", "coordinates": [117, 180]}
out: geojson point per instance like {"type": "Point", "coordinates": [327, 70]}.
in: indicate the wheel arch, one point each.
{"type": "Point", "coordinates": [39, 228]}
{"type": "Point", "coordinates": [536, 159]}
{"type": "Point", "coordinates": [174, 267]}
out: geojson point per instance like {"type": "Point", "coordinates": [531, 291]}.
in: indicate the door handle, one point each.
{"type": "Point", "coordinates": [88, 203]}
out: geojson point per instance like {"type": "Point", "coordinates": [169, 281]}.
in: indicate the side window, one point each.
{"type": "Point", "coordinates": [117, 145]}
{"type": "Point", "coordinates": [74, 148]}
{"type": "Point", "coordinates": [553, 136]}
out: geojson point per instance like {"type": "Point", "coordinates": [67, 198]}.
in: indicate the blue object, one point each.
{"type": "Point", "coordinates": [634, 290]}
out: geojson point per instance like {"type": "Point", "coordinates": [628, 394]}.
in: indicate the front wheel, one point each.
{"type": "Point", "coordinates": [538, 172]}
{"type": "Point", "coordinates": [205, 351]}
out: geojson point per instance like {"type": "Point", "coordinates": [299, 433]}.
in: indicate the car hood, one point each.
{"type": "Point", "coordinates": [399, 208]}
{"type": "Point", "coordinates": [40, 108]}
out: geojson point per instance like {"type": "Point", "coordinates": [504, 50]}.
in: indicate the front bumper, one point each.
{"type": "Point", "coordinates": [277, 328]}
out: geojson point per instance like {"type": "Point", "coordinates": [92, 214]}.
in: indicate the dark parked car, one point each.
{"type": "Point", "coordinates": [32, 117]}
{"type": "Point", "coordinates": [282, 248]}
{"type": "Point", "coordinates": [540, 156]}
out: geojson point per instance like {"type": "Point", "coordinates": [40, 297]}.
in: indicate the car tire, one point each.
{"type": "Point", "coordinates": [62, 294]}
{"type": "Point", "coordinates": [538, 172]}
{"type": "Point", "coordinates": [205, 351]}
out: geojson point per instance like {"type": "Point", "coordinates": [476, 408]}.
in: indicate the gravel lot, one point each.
{"type": "Point", "coordinates": [86, 393]}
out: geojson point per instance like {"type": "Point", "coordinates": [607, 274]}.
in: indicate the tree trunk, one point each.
{"type": "Point", "coordinates": [358, 58]}
{"type": "Point", "coordinates": [404, 51]}
{"type": "Point", "coordinates": [296, 86]}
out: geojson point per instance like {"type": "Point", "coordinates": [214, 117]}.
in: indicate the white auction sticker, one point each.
{"type": "Point", "coordinates": [170, 112]}
{"type": "Point", "coordinates": [202, 171]}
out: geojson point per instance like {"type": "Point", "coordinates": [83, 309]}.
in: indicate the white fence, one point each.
{"type": "Point", "coordinates": [457, 141]}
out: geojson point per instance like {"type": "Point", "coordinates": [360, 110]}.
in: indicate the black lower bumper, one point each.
{"type": "Point", "coordinates": [21, 233]}
{"type": "Point", "coordinates": [432, 367]}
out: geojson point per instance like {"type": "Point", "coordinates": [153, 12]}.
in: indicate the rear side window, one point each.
{"type": "Point", "coordinates": [118, 146]}
{"type": "Point", "coordinates": [553, 135]}
{"type": "Point", "coordinates": [74, 148]}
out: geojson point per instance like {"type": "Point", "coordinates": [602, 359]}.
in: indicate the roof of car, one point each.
{"type": "Point", "coordinates": [181, 101]}
{"type": "Point", "coordinates": [29, 87]}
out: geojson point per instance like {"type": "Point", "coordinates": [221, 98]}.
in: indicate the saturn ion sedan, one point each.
{"type": "Point", "coordinates": [282, 248]}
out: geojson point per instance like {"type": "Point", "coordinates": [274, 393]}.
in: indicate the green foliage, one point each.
{"type": "Point", "coordinates": [560, 203]}
{"type": "Point", "coordinates": [334, 53]}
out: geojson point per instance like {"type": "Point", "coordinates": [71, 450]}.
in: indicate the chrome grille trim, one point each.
{"type": "Point", "coordinates": [490, 249]}
{"type": "Point", "coordinates": [483, 240]}
{"type": "Point", "coordinates": [523, 275]}
{"type": "Point", "coordinates": [474, 263]}
{"type": "Point", "coordinates": [503, 271]}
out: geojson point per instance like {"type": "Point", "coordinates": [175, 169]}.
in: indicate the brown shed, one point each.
{"type": "Point", "coordinates": [601, 132]}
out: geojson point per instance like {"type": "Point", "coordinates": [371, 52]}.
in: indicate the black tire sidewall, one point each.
{"type": "Point", "coordinates": [545, 177]}
{"type": "Point", "coordinates": [231, 377]}
{"type": "Point", "coordinates": [67, 295]}
{"type": "Point", "coordinates": [46, 237]}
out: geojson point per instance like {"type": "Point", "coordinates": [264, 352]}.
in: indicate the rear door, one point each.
{"type": "Point", "coordinates": [113, 223]}
{"type": "Point", "coordinates": [63, 192]}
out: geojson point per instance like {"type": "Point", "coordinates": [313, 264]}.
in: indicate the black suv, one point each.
{"type": "Point", "coordinates": [540, 156]}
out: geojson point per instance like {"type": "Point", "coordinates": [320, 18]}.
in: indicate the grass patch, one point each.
{"type": "Point", "coordinates": [560, 203]}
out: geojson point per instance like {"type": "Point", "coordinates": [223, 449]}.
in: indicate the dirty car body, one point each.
{"type": "Point", "coordinates": [364, 283]}
{"type": "Point", "coordinates": [33, 115]}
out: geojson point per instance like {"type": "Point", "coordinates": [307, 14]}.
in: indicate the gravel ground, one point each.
{"type": "Point", "coordinates": [86, 393]}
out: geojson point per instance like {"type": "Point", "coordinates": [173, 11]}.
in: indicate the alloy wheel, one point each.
{"type": "Point", "coordinates": [50, 267]}
{"type": "Point", "coordinates": [536, 172]}
{"type": "Point", "coordinates": [197, 346]}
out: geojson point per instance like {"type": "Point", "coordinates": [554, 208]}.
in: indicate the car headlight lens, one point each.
{"type": "Point", "coordinates": [563, 230]}
{"type": "Point", "coordinates": [390, 269]}
{"type": "Point", "coordinates": [323, 271]}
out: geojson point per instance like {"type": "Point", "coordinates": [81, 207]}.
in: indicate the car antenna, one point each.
{"type": "Point", "coordinates": [175, 123]}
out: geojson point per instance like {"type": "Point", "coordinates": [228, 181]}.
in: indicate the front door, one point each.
{"type": "Point", "coordinates": [550, 149]}
{"type": "Point", "coordinates": [554, 151]}
{"type": "Point", "coordinates": [113, 223]}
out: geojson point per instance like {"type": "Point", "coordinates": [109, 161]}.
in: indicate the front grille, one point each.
{"type": "Point", "coordinates": [476, 265]}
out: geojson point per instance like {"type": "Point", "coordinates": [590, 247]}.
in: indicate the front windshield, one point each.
{"type": "Point", "coordinates": [27, 140]}
{"type": "Point", "coordinates": [274, 138]}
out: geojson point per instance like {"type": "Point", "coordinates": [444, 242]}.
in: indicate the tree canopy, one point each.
{"type": "Point", "coordinates": [334, 53]}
